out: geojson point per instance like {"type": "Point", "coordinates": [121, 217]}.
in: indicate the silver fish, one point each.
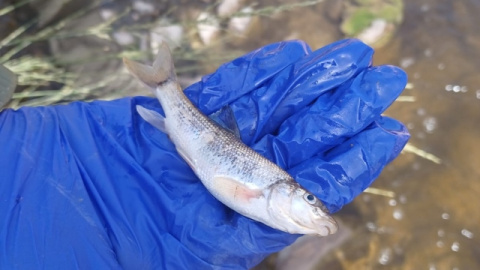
{"type": "Point", "coordinates": [232, 172]}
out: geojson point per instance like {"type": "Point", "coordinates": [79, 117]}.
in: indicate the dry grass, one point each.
{"type": "Point", "coordinates": [46, 80]}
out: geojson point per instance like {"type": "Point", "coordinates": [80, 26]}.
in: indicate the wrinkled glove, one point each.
{"type": "Point", "coordinates": [93, 186]}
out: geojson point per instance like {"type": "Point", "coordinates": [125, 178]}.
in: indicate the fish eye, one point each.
{"type": "Point", "coordinates": [310, 198]}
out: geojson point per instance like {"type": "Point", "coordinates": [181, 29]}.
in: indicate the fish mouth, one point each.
{"type": "Point", "coordinates": [324, 228]}
{"type": "Point", "coordinates": [327, 227]}
{"type": "Point", "coordinates": [331, 226]}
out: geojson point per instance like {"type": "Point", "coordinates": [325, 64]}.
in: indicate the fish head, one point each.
{"type": "Point", "coordinates": [299, 211]}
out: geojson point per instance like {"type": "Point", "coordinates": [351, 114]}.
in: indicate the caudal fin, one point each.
{"type": "Point", "coordinates": [161, 71]}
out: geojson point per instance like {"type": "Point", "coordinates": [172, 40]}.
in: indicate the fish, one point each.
{"type": "Point", "coordinates": [232, 172]}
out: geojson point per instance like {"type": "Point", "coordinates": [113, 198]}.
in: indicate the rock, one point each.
{"type": "Point", "coordinates": [308, 23]}
{"type": "Point", "coordinates": [239, 25]}
{"type": "Point", "coordinates": [227, 7]}
{"type": "Point", "coordinates": [172, 34]}
{"type": "Point", "coordinates": [372, 21]}
{"type": "Point", "coordinates": [143, 7]}
{"type": "Point", "coordinates": [208, 28]}
{"type": "Point", "coordinates": [374, 32]}
{"type": "Point", "coordinates": [123, 38]}
{"type": "Point", "coordinates": [107, 13]}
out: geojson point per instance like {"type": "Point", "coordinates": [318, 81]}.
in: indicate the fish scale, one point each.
{"type": "Point", "coordinates": [181, 113]}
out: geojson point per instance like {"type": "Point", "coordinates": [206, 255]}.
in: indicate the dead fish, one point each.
{"type": "Point", "coordinates": [8, 82]}
{"type": "Point", "coordinates": [232, 172]}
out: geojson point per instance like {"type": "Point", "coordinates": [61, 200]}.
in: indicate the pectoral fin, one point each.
{"type": "Point", "coordinates": [236, 189]}
{"type": "Point", "coordinates": [157, 120]}
{"type": "Point", "coordinates": [152, 117]}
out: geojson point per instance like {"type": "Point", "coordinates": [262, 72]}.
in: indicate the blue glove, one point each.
{"type": "Point", "coordinates": [93, 186]}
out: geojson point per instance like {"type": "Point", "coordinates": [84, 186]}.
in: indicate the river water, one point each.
{"type": "Point", "coordinates": [433, 220]}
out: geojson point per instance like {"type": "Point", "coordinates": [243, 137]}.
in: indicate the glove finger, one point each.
{"type": "Point", "coordinates": [332, 66]}
{"type": "Point", "coordinates": [341, 174]}
{"type": "Point", "coordinates": [334, 117]}
{"type": "Point", "coordinates": [244, 74]}
{"type": "Point", "coordinates": [264, 109]}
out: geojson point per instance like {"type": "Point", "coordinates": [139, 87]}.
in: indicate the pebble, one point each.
{"type": "Point", "coordinates": [208, 27]}
{"type": "Point", "coordinates": [143, 7]}
{"type": "Point", "coordinates": [123, 38]}
{"type": "Point", "coordinates": [227, 7]}
{"type": "Point", "coordinates": [240, 25]}
{"type": "Point", "coordinates": [373, 33]}
{"type": "Point", "coordinates": [172, 34]}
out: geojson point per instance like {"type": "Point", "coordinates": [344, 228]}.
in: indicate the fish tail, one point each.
{"type": "Point", "coordinates": [160, 72]}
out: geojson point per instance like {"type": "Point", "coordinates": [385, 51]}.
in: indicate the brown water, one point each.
{"type": "Point", "coordinates": [433, 221]}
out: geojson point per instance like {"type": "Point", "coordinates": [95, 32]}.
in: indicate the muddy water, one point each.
{"type": "Point", "coordinates": [434, 220]}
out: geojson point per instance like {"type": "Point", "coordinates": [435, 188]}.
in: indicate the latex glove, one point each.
{"type": "Point", "coordinates": [93, 186]}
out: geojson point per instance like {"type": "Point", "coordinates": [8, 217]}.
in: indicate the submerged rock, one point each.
{"type": "Point", "coordinates": [372, 21]}
{"type": "Point", "coordinates": [208, 27]}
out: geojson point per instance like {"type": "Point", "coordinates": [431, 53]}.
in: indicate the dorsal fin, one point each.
{"type": "Point", "coordinates": [226, 118]}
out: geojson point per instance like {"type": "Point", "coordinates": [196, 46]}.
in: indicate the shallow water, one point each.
{"type": "Point", "coordinates": [433, 221]}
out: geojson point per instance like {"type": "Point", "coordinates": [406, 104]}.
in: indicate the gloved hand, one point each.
{"type": "Point", "coordinates": [93, 186]}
